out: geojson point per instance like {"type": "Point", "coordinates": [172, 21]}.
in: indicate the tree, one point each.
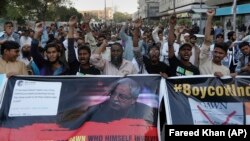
{"type": "Point", "coordinates": [121, 17]}
{"type": "Point", "coordinates": [2, 7]}
{"type": "Point", "coordinates": [31, 9]}
{"type": "Point", "coordinates": [62, 13]}
{"type": "Point", "coordinates": [218, 23]}
{"type": "Point", "coordinates": [186, 22]}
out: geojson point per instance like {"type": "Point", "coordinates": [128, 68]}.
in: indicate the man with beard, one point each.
{"type": "Point", "coordinates": [25, 39]}
{"type": "Point", "coordinates": [83, 66]}
{"type": "Point", "coordinates": [51, 66]}
{"type": "Point", "coordinates": [117, 65]}
{"type": "Point", "coordinates": [26, 58]}
{"type": "Point", "coordinates": [181, 66]}
{"type": "Point", "coordinates": [232, 57]}
{"type": "Point", "coordinates": [213, 65]}
{"type": "Point", "coordinates": [148, 64]}
{"type": "Point", "coordinates": [194, 59]}
{"type": "Point", "coordinates": [89, 37]}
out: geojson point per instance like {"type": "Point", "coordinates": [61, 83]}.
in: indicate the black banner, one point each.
{"type": "Point", "coordinates": [80, 108]}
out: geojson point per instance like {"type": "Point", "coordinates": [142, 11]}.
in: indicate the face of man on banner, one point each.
{"type": "Point", "coordinates": [124, 94]}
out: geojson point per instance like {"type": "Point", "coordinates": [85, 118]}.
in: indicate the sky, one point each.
{"type": "Point", "coordinates": [129, 6]}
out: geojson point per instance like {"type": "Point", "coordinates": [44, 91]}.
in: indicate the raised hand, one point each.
{"type": "Point", "coordinates": [39, 27]}
{"type": "Point", "coordinates": [160, 26]}
{"type": "Point", "coordinates": [173, 20]}
{"type": "Point", "coordinates": [105, 43]}
{"type": "Point", "coordinates": [138, 23]}
{"type": "Point", "coordinates": [86, 18]}
{"type": "Point", "coordinates": [163, 74]}
{"type": "Point", "coordinates": [73, 21]}
{"type": "Point", "coordinates": [171, 37]}
{"type": "Point", "coordinates": [211, 12]}
{"type": "Point", "coordinates": [103, 46]}
{"type": "Point", "coordinates": [181, 29]}
{"type": "Point", "coordinates": [218, 74]}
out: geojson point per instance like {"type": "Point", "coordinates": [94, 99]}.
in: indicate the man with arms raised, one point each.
{"type": "Point", "coordinates": [212, 65]}
{"type": "Point", "coordinates": [83, 66]}
{"type": "Point", "coordinates": [117, 65]}
{"type": "Point", "coordinates": [180, 66]}
{"type": "Point", "coordinates": [51, 66]}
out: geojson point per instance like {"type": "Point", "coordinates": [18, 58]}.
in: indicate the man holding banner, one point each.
{"type": "Point", "coordinates": [214, 65]}
{"type": "Point", "coordinates": [182, 66]}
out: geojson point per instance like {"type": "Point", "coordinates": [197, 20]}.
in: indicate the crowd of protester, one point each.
{"type": "Point", "coordinates": [122, 49]}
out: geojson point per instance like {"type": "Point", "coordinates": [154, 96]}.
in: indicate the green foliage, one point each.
{"type": "Point", "coordinates": [239, 20]}
{"type": "Point", "coordinates": [164, 22]}
{"type": "Point", "coordinates": [121, 17]}
{"type": "Point", "coordinates": [217, 23]}
{"type": "Point", "coordinates": [62, 13]}
{"type": "Point", "coordinates": [2, 7]}
{"type": "Point", "coordinates": [187, 22]}
{"type": "Point", "coordinates": [35, 9]}
{"type": "Point", "coordinates": [95, 17]}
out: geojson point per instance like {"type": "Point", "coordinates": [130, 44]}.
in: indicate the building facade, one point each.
{"type": "Point", "coordinates": [100, 14]}
{"type": "Point", "coordinates": [218, 2]}
{"type": "Point", "coordinates": [189, 9]}
{"type": "Point", "coordinates": [148, 9]}
{"type": "Point", "coordinates": [168, 7]}
{"type": "Point", "coordinates": [224, 12]}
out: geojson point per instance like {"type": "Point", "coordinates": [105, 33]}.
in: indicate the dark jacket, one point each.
{"type": "Point", "coordinates": [43, 64]}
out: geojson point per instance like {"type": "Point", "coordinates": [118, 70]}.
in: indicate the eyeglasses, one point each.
{"type": "Point", "coordinates": [121, 97]}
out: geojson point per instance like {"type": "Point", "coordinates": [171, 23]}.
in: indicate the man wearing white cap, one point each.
{"type": "Point", "coordinates": [25, 39]}
{"type": "Point", "coordinates": [186, 38]}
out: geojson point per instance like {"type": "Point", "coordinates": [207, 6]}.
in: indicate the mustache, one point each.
{"type": "Point", "coordinates": [154, 56]}
{"type": "Point", "coordinates": [116, 60]}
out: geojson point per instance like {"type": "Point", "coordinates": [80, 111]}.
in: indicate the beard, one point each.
{"type": "Point", "coordinates": [98, 44]}
{"type": "Point", "coordinates": [26, 54]}
{"type": "Point", "coordinates": [117, 61]}
{"type": "Point", "coordinates": [55, 61]}
{"type": "Point", "coordinates": [154, 59]}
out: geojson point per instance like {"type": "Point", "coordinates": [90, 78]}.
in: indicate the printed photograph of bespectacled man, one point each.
{"type": "Point", "coordinates": [126, 99]}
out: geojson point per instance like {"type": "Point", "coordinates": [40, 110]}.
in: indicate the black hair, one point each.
{"type": "Point", "coordinates": [154, 45]}
{"type": "Point", "coordinates": [8, 22]}
{"type": "Point", "coordinates": [117, 44]}
{"type": "Point", "coordinates": [230, 34]}
{"type": "Point", "coordinates": [38, 21]}
{"type": "Point", "coordinates": [175, 36]}
{"type": "Point", "coordinates": [219, 35]}
{"type": "Point", "coordinates": [9, 45]}
{"type": "Point", "coordinates": [193, 36]}
{"type": "Point", "coordinates": [102, 36]}
{"type": "Point", "coordinates": [51, 45]}
{"type": "Point", "coordinates": [84, 48]}
{"type": "Point", "coordinates": [243, 44]}
{"type": "Point", "coordinates": [223, 46]}
{"type": "Point", "coordinates": [184, 45]}
{"type": "Point", "coordinates": [160, 32]}
{"type": "Point", "coordinates": [31, 30]}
